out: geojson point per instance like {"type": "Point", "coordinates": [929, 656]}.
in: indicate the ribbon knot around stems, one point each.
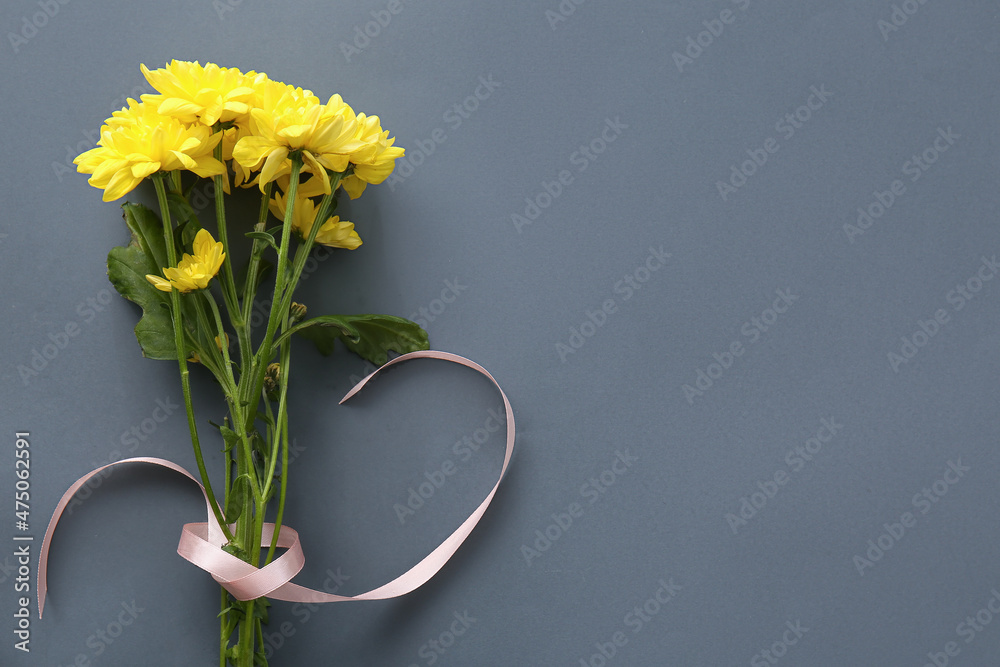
{"type": "Point", "coordinates": [201, 543]}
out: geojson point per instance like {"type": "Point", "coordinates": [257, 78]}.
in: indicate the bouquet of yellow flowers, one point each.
{"type": "Point", "coordinates": [244, 130]}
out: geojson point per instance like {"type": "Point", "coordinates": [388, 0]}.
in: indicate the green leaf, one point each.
{"type": "Point", "coordinates": [258, 444]}
{"type": "Point", "coordinates": [230, 437]}
{"type": "Point", "coordinates": [127, 270]}
{"type": "Point", "coordinates": [147, 232]}
{"type": "Point", "coordinates": [264, 417]}
{"type": "Point", "coordinates": [236, 550]}
{"type": "Point", "coordinates": [265, 237]}
{"type": "Point", "coordinates": [237, 498]}
{"type": "Point", "coordinates": [323, 337]}
{"type": "Point", "coordinates": [381, 333]}
{"type": "Point", "coordinates": [323, 331]}
{"type": "Point", "coordinates": [369, 336]}
{"type": "Point", "coordinates": [185, 217]}
{"type": "Point", "coordinates": [261, 610]}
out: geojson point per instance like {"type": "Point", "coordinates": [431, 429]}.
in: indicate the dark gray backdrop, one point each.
{"type": "Point", "coordinates": [808, 494]}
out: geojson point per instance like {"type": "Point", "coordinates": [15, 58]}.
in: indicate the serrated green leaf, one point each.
{"type": "Point", "coordinates": [368, 336]}
{"type": "Point", "coordinates": [127, 270]}
{"type": "Point", "coordinates": [381, 333]}
{"type": "Point", "coordinates": [324, 338]}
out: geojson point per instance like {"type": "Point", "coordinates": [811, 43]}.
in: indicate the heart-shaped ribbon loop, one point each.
{"type": "Point", "coordinates": [201, 543]}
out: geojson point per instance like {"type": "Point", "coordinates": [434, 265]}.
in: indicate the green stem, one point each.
{"type": "Point", "coordinates": [264, 352]}
{"type": "Point", "coordinates": [175, 311]}
{"type": "Point", "coordinates": [281, 435]}
{"type": "Point", "coordinates": [250, 286]}
{"type": "Point", "coordinates": [228, 283]}
{"type": "Point", "coordinates": [231, 390]}
{"type": "Point", "coordinates": [224, 623]}
{"type": "Point", "coordinates": [302, 252]}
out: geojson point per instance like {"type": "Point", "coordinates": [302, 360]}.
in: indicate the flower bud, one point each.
{"type": "Point", "coordinates": [272, 377]}
{"type": "Point", "coordinates": [297, 312]}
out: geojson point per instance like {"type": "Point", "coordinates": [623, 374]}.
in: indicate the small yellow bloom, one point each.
{"type": "Point", "coordinates": [194, 93]}
{"type": "Point", "coordinates": [193, 272]}
{"type": "Point", "coordinates": [137, 141]}
{"type": "Point", "coordinates": [335, 232]}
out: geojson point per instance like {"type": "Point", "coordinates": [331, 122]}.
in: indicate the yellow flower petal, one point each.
{"type": "Point", "coordinates": [159, 283]}
{"type": "Point", "coordinates": [272, 165]}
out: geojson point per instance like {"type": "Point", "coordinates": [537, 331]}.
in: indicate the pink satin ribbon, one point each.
{"type": "Point", "coordinates": [201, 543]}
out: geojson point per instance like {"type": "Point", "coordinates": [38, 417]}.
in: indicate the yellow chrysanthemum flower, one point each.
{"type": "Point", "coordinates": [193, 272]}
{"type": "Point", "coordinates": [375, 161]}
{"type": "Point", "coordinates": [194, 93]}
{"type": "Point", "coordinates": [335, 232]}
{"type": "Point", "coordinates": [375, 156]}
{"type": "Point", "coordinates": [137, 141]}
{"type": "Point", "coordinates": [291, 119]}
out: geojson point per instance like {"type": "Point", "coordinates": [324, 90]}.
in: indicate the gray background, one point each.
{"type": "Point", "coordinates": [825, 357]}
